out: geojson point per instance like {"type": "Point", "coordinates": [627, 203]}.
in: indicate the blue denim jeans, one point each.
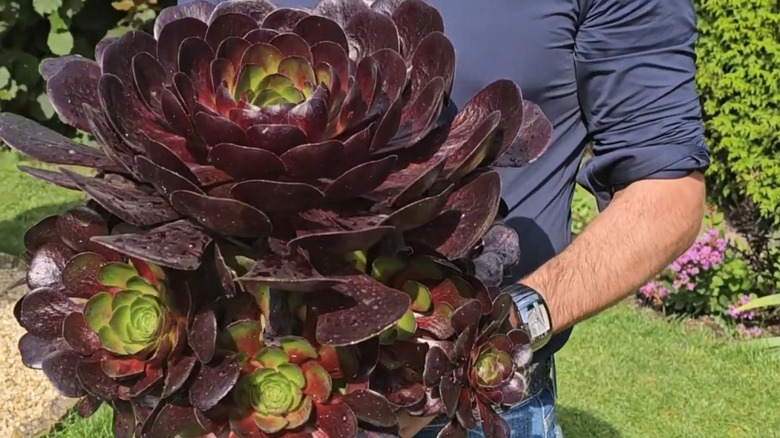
{"type": "Point", "coordinates": [533, 418]}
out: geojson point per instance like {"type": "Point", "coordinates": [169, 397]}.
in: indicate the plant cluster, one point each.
{"type": "Point", "coordinates": [291, 232]}
{"type": "Point", "coordinates": [708, 279]}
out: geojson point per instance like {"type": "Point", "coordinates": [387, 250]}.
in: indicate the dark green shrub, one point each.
{"type": "Point", "coordinates": [31, 30]}
{"type": "Point", "coordinates": [739, 80]}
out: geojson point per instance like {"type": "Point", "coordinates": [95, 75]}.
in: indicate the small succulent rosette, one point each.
{"type": "Point", "coordinates": [289, 230]}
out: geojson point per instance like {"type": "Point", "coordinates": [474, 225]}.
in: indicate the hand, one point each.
{"type": "Point", "coordinates": [410, 425]}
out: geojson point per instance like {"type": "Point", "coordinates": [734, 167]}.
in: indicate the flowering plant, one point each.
{"type": "Point", "coordinates": [290, 230]}
{"type": "Point", "coordinates": [708, 279]}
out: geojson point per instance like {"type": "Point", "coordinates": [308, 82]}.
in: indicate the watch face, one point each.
{"type": "Point", "coordinates": [537, 322]}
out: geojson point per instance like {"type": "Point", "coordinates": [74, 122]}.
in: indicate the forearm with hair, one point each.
{"type": "Point", "coordinates": [645, 227]}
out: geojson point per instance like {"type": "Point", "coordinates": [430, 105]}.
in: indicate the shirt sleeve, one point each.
{"type": "Point", "coordinates": [635, 65]}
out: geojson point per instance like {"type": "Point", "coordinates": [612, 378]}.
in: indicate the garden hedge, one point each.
{"type": "Point", "coordinates": [738, 78]}
{"type": "Point", "coordinates": [31, 30]}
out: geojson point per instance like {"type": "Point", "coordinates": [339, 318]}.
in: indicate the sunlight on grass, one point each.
{"type": "Point", "coordinates": [25, 201]}
{"type": "Point", "coordinates": [632, 374]}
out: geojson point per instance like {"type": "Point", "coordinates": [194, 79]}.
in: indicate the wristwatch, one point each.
{"type": "Point", "coordinates": [532, 312]}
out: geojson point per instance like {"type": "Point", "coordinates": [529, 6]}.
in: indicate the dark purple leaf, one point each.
{"type": "Point", "coordinates": [438, 322]}
{"type": "Point", "coordinates": [392, 69]}
{"type": "Point", "coordinates": [228, 24]}
{"type": "Point", "coordinates": [418, 118]}
{"type": "Point", "coordinates": [316, 29]}
{"type": "Point", "coordinates": [176, 420]}
{"type": "Point", "coordinates": [124, 419]}
{"type": "Point", "coordinates": [51, 66]}
{"type": "Point", "coordinates": [43, 311]}
{"type": "Point", "coordinates": [415, 19]}
{"type": "Point", "coordinates": [532, 140]}
{"type": "Point", "coordinates": [233, 49]}
{"type": "Point", "coordinates": [164, 180]}
{"type": "Point", "coordinates": [311, 116]}
{"type": "Point", "coordinates": [255, 9]}
{"type": "Point", "coordinates": [163, 156]}
{"type": "Point", "coordinates": [503, 241]}
{"type": "Point", "coordinates": [473, 151]}
{"type": "Point", "coordinates": [125, 200]}
{"type": "Point", "coordinates": [437, 363]}
{"type": "Point", "coordinates": [171, 36]}
{"type": "Point", "coordinates": [466, 315]}
{"type": "Point", "coordinates": [465, 412]}
{"type": "Point", "coordinates": [337, 420]}
{"type": "Point", "coordinates": [477, 205]}
{"type": "Point", "coordinates": [493, 425]}
{"type": "Point", "coordinates": [308, 162]}
{"type": "Point", "coordinates": [213, 383]}
{"type": "Point", "coordinates": [339, 11]}
{"type": "Point", "coordinates": [117, 57]}
{"type": "Point", "coordinates": [275, 138]}
{"type": "Point", "coordinates": [291, 44]}
{"type": "Point", "coordinates": [361, 179]}
{"type": "Point", "coordinates": [88, 406]}
{"type": "Point", "coordinates": [341, 242]}
{"type": "Point", "coordinates": [202, 335]}
{"type": "Point", "coordinates": [433, 57]}
{"type": "Point", "coordinates": [76, 226]}
{"type": "Point", "coordinates": [291, 272]}
{"type": "Point", "coordinates": [261, 36]}
{"type": "Point", "coordinates": [74, 84]}
{"type": "Point", "coordinates": [199, 10]}
{"type": "Point", "coordinates": [78, 335]}
{"type": "Point", "coordinates": [60, 369]}
{"type": "Point", "coordinates": [47, 265]}
{"type": "Point", "coordinates": [371, 31]}
{"type": "Point", "coordinates": [418, 213]}
{"type": "Point", "coordinates": [513, 392]}
{"type": "Point", "coordinates": [43, 232]}
{"type": "Point", "coordinates": [244, 162]}
{"type": "Point", "coordinates": [178, 245]}
{"type": "Point", "coordinates": [49, 146]}
{"type": "Point", "coordinates": [277, 196]}
{"type": "Point", "coordinates": [195, 57]}
{"type": "Point", "coordinates": [489, 268]}
{"type": "Point", "coordinates": [449, 390]}
{"type": "Point", "coordinates": [177, 373]}
{"type": "Point", "coordinates": [335, 56]}
{"type": "Point", "coordinates": [114, 146]}
{"type": "Point", "coordinates": [121, 368]}
{"type": "Point", "coordinates": [350, 326]}
{"type": "Point", "coordinates": [371, 407]}
{"type": "Point", "coordinates": [224, 272]}
{"type": "Point", "coordinates": [226, 216]}
{"type": "Point", "coordinates": [35, 350]}
{"type": "Point", "coordinates": [284, 19]}
{"type": "Point", "coordinates": [150, 79]}
{"type": "Point", "coordinates": [464, 344]}
{"type": "Point", "coordinates": [216, 130]}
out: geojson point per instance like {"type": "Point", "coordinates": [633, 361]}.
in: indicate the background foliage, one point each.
{"type": "Point", "coordinates": [32, 30]}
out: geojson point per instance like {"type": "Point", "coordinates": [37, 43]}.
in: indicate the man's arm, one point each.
{"type": "Point", "coordinates": [645, 227]}
{"type": "Point", "coordinates": [635, 65]}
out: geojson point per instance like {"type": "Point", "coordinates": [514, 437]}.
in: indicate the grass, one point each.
{"type": "Point", "coordinates": [623, 374]}
{"type": "Point", "coordinates": [25, 201]}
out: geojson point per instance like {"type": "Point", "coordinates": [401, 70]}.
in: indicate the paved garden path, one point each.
{"type": "Point", "coordinates": [29, 405]}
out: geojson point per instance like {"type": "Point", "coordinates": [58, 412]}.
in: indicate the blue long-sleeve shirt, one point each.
{"type": "Point", "coordinates": [618, 74]}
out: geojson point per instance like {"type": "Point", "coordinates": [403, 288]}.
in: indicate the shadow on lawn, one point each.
{"type": "Point", "coordinates": [576, 423]}
{"type": "Point", "coordinates": [12, 231]}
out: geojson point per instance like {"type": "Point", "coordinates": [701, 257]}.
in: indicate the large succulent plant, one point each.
{"type": "Point", "coordinates": [266, 175]}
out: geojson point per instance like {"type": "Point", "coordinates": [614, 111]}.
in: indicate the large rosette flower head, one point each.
{"type": "Point", "coordinates": [102, 326]}
{"type": "Point", "coordinates": [481, 370]}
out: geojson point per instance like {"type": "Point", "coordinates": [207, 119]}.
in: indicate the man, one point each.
{"type": "Point", "coordinates": [618, 74]}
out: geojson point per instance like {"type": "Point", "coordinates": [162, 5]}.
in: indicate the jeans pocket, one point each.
{"type": "Point", "coordinates": [547, 404]}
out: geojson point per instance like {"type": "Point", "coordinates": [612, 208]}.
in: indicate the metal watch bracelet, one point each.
{"type": "Point", "coordinates": [532, 312]}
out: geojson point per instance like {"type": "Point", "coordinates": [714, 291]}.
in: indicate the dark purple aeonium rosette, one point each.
{"type": "Point", "coordinates": [289, 229]}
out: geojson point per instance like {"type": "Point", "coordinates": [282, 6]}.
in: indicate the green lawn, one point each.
{"type": "Point", "coordinates": [623, 374]}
